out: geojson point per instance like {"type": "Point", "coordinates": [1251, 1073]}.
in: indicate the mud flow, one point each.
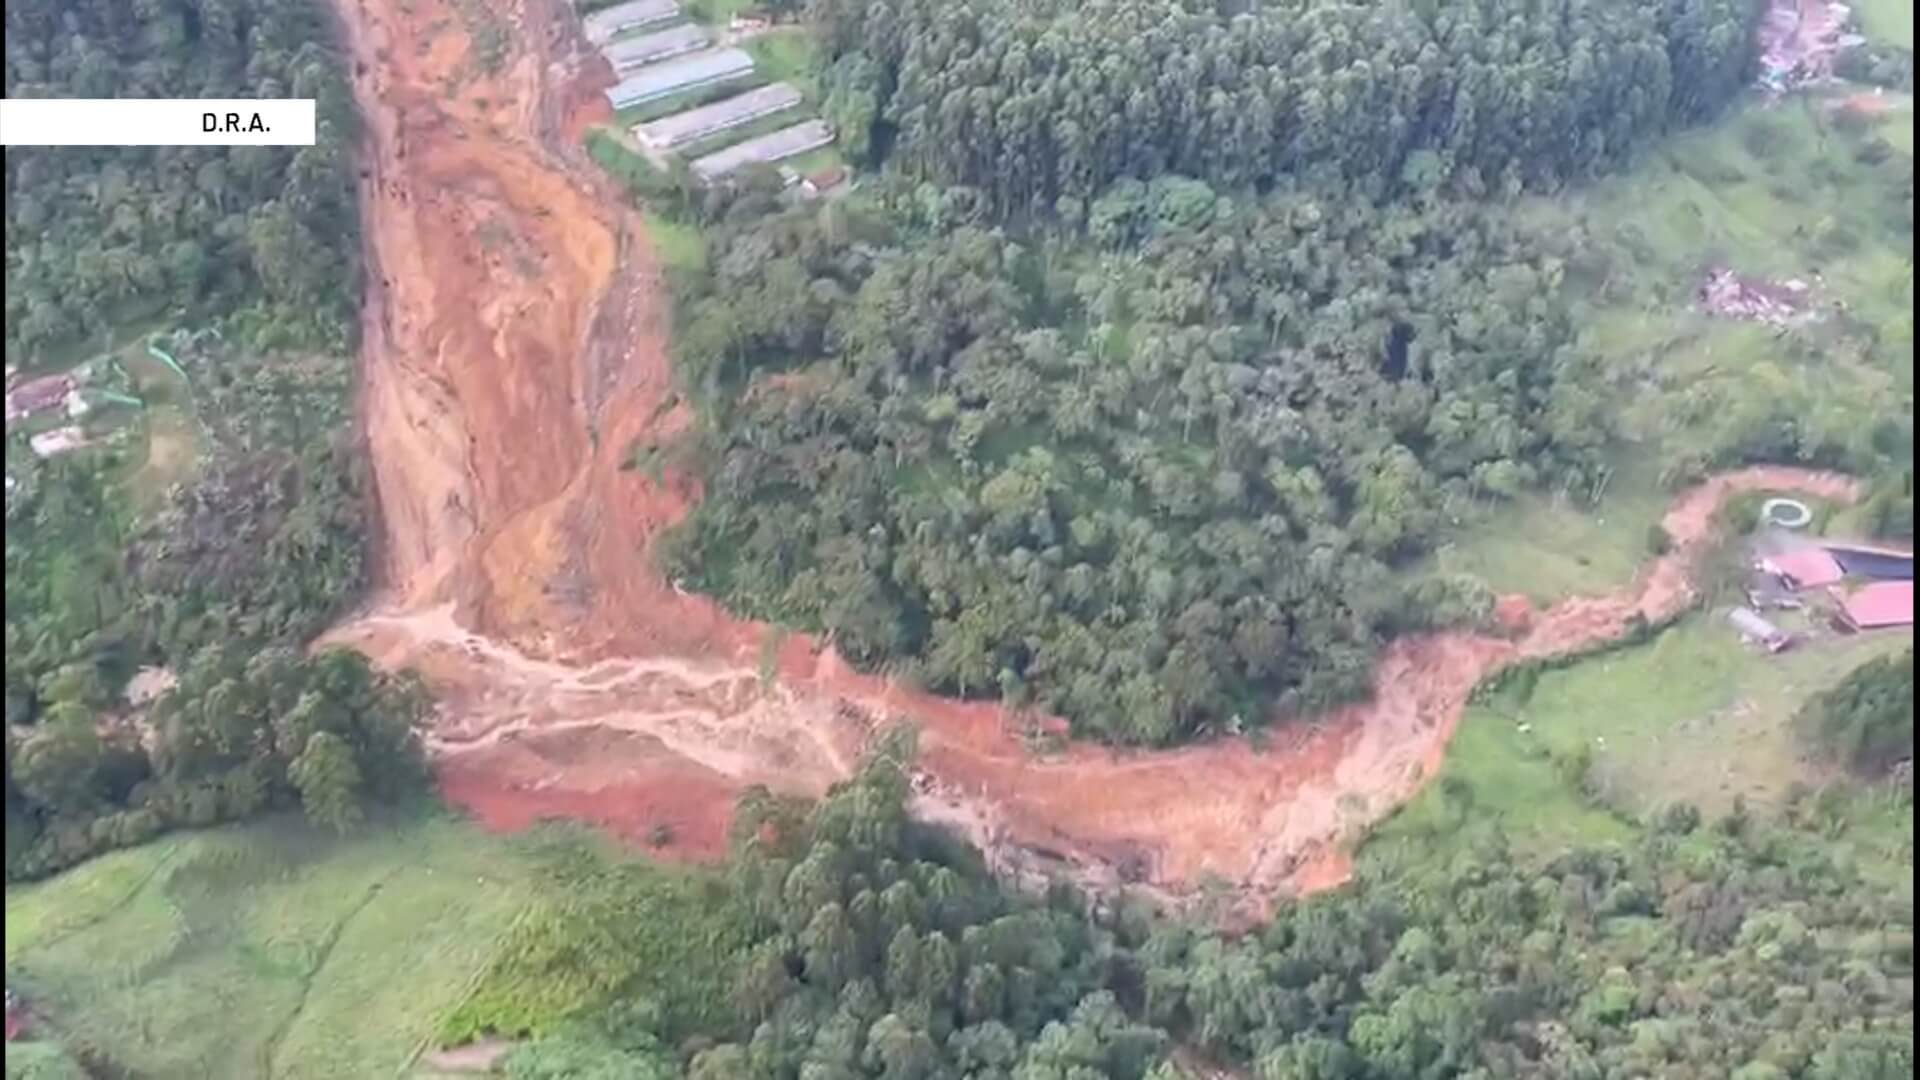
{"type": "Point", "coordinates": [514, 347]}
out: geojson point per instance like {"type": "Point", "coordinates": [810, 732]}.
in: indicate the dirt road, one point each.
{"type": "Point", "coordinates": [514, 349]}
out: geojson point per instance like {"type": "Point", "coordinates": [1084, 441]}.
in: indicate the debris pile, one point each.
{"type": "Point", "coordinates": [1782, 304]}
{"type": "Point", "coordinates": [38, 395]}
{"type": "Point", "coordinates": [1799, 40]}
{"type": "Point", "coordinates": [58, 441]}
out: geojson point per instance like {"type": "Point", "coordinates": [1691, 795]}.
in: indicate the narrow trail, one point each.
{"type": "Point", "coordinates": [514, 349]}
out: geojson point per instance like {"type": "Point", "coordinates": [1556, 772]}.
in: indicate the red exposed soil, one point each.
{"type": "Point", "coordinates": [1867, 103]}
{"type": "Point", "coordinates": [626, 783]}
{"type": "Point", "coordinates": [514, 350]}
{"type": "Point", "coordinates": [1513, 613]}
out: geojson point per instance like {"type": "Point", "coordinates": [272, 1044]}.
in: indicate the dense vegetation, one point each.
{"type": "Point", "coordinates": [1161, 333]}
{"type": "Point", "coordinates": [1164, 333]}
{"type": "Point", "coordinates": [1889, 506]}
{"type": "Point", "coordinates": [1148, 479]}
{"type": "Point", "coordinates": [860, 944]}
{"type": "Point", "coordinates": [233, 565]}
{"type": "Point", "coordinates": [256, 549]}
{"type": "Point", "coordinates": [1866, 722]}
{"type": "Point", "coordinates": [239, 735]}
{"type": "Point", "coordinates": [1036, 102]}
{"type": "Point", "coordinates": [98, 237]}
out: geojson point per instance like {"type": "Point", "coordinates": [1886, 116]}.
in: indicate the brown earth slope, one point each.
{"type": "Point", "coordinates": [514, 348]}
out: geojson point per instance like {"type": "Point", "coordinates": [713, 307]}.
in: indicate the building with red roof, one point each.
{"type": "Point", "coordinates": [36, 395]}
{"type": "Point", "coordinates": [1881, 604]}
{"type": "Point", "coordinates": [1804, 568]}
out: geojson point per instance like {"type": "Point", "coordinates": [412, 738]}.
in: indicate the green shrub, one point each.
{"type": "Point", "coordinates": [1866, 722]}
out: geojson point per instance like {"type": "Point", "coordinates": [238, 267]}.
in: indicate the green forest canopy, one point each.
{"type": "Point", "coordinates": [848, 941]}
{"type": "Point", "coordinates": [1032, 102]}
{"type": "Point", "coordinates": [1163, 334]}
{"type": "Point", "coordinates": [97, 237]}
{"type": "Point", "coordinates": [253, 553]}
{"type": "Point", "coordinates": [1148, 481]}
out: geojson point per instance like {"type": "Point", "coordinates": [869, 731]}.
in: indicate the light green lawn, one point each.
{"type": "Point", "coordinates": [34, 1060]}
{"type": "Point", "coordinates": [211, 954]}
{"type": "Point", "coordinates": [1890, 21]}
{"type": "Point", "coordinates": [1550, 546]}
{"type": "Point", "coordinates": [1780, 191]}
{"type": "Point", "coordinates": [172, 428]}
{"type": "Point", "coordinates": [677, 245]}
{"type": "Point", "coordinates": [1514, 785]}
{"type": "Point", "coordinates": [1693, 716]}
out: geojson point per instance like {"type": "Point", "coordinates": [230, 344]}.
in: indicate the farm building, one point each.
{"type": "Point", "coordinates": [1880, 564]}
{"type": "Point", "coordinates": [1803, 568]}
{"type": "Point", "coordinates": [1881, 604]}
{"type": "Point", "coordinates": [824, 180]}
{"type": "Point", "coordinates": [37, 395]}
{"type": "Point", "coordinates": [776, 146]}
{"type": "Point", "coordinates": [689, 72]}
{"type": "Point", "coordinates": [1758, 630]}
{"type": "Point", "coordinates": [707, 120]}
{"type": "Point", "coordinates": [644, 49]}
{"type": "Point", "coordinates": [603, 26]}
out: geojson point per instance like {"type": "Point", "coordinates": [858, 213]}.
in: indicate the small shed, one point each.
{"type": "Point", "coordinates": [1758, 630]}
{"type": "Point", "coordinates": [821, 181]}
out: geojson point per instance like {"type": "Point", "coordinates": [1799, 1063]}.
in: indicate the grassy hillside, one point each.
{"type": "Point", "coordinates": [1780, 191]}
{"type": "Point", "coordinates": [1890, 21]}
{"type": "Point", "coordinates": [269, 948]}
{"type": "Point", "coordinates": [1587, 752]}
{"type": "Point", "coordinates": [1798, 189]}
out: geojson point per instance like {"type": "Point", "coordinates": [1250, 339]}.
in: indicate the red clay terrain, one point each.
{"type": "Point", "coordinates": [514, 348]}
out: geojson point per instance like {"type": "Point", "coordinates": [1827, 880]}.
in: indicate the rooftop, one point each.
{"type": "Point", "coordinates": [694, 69]}
{"type": "Point", "coordinates": [601, 26]}
{"type": "Point", "coordinates": [632, 52]}
{"type": "Point", "coordinates": [697, 123]}
{"type": "Point", "coordinates": [1808, 567]}
{"type": "Point", "coordinates": [788, 141]}
{"type": "Point", "coordinates": [1883, 603]}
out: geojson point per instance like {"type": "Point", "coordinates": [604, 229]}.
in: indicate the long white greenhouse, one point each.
{"type": "Point", "coordinates": [708, 120]}
{"type": "Point", "coordinates": [775, 146]}
{"type": "Point", "coordinates": [689, 72]}
{"type": "Point", "coordinates": [633, 52]}
{"type": "Point", "coordinates": [603, 25]}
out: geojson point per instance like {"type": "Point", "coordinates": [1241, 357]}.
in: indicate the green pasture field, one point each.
{"type": "Point", "coordinates": [1692, 716]}
{"type": "Point", "coordinates": [267, 949]}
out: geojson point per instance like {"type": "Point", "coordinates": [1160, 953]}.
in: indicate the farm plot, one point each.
{"type": "Point", "coordinates": [266, 949]}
